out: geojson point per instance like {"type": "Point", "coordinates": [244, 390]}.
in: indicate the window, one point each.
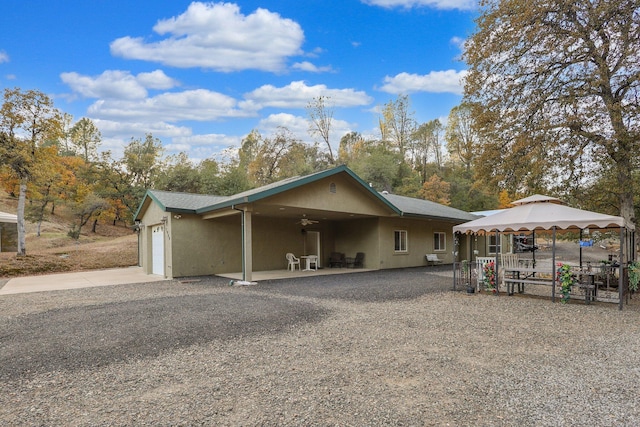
{"type": "Point", "coordinates": [439, 241]}
{"type": "Point", "coordinates": [332, 188]}
{"type": "Point", "coordinates": [493, 248]}
{"type": "Point", "coordinates": [400, 240]}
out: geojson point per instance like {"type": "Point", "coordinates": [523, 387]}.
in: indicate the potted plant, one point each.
{"type": "Point", "coordinates": [566, 280]}
{"type": "Point", "coordinates": [489, 271]}
{"type": "Point", "coordinates": [634, 275]}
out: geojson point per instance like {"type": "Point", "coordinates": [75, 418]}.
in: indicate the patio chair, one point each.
{"type": "Point", "coordinates": [313, 262]}
{"type": "Point", "coordinates": [293, 261]}
{"type": "Point", "coordinates": [336, 259]}
{"type": "Point", "coordinates": [358, 262]}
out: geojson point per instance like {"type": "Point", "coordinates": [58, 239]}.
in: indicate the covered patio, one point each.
{"type": "Point", "coordinates": [546, 213]}
{"type": "Point", "coordinates": [288, 274]}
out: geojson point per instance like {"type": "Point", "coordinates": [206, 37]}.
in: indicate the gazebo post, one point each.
{"type": "Point", "coordinates": [553, 266]}
{"type": "Point", "coordinates": [580, 246]}
{"type": "Point", "coordinates": [621, 268]}
{"type": "Point", "coordinates": [498, 245]}
{"type": "Point", "coordinates": [533, 242]}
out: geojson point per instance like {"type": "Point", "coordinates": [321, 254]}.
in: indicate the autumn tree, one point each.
{"type": "Point", "coordinates": [85, 138]}
{"type": "Point", "coordinates": [141, 161]}
{"type": "Point", "coordinates": [320, 121]}
{"type": "Point", "coordinates": [436, 190]}
{"type": "Point", "coordinates": [427, 147]}
{"type": "Point", "coordinates": [555, 87]}
{"type": "Point", "coordinates": [397, 123]}
{"type": "Point", "coordinates": [281, 156]}
{"type": "Point", "coordinates": [462, 139]}
{"type": "Point", "coordinates": [27, 120]}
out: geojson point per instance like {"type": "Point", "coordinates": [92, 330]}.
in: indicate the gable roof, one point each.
{"type": "Point", "coordinates": [201, 204]}
{"type": "Point", "coordinates": [289, 184]}
{"type": "Point", "coordinates": [171, 201]}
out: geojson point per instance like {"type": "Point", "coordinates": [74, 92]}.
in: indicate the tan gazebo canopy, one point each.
{"type": "Point", "coordinates": [540, 212]}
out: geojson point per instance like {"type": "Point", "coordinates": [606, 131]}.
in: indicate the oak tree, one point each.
{"type": "Point", "coordinates": [556, 86]}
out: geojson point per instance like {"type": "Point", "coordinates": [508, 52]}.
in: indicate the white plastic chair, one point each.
{"type": "Point", "coordinates": [313, 262]}
{"type": "Point", "coordinates": [293, 261]}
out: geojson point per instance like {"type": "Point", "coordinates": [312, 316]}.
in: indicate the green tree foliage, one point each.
{"type": "Point", "coordinates": [278, 157]}
{"type": "Point", "coordinates": [427, 147]}
{"type": "Point", "coordinates": [85, 138]}
{"type": "Point", "coordinates": [555, 92]}
{"type": "Point", "coordinates": [142, 160]}
{"type": "Point", "coordinates": [179, 174]}
{"type": "Point", "coordinates": [378, 166]}
{"type": "Point", "coordinates": [27, 120]}
{"type": "Point", "coordinates": [397, 124]}
{"type": "Point", "coordinates": [462, 140]}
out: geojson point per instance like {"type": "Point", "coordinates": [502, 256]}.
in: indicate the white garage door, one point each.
{"type": "Point", "coordinates": [157, 250]}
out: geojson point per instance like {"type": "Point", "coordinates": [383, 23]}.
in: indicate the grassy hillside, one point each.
{"type": "Point", "coordinates": [53, 251]}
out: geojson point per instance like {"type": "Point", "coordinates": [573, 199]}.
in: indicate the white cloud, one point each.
{"type": "Point", "coordinates": [198, 105]}
{"type": "Point", "coordinates": [299, 127]}
{"type": "Point", "coordinates": [308, 66]}
{"type": "Point", "coordinates": [295, 124]}
{"type": "Point", "coordinates": [297, 95]}
{"type": "Point", "coordinates": [209, 139]}
{"type": "Point", "coordinates": [116, 84]}
{"type": "Point", "coordinates": [156, 80]}
{"type": "Point", "coordinates": [4, 57]}
{"type": "Point", "coordinates": [110, 129]}
{"type": "Point", "coordinates": [218, 36]}
{"type": "Point", "coordinates": [436, 4]}
{"type": "Point", "coordinates": [458, 42]}
{"type": "Point", "coordinates": [449, 81]}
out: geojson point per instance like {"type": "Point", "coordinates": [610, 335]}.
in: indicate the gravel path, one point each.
{"type": "Point", "coordinates": [378, 348]}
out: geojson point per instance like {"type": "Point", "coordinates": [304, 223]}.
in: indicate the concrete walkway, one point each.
{"type": "Point", "coordinates": [82, 279]}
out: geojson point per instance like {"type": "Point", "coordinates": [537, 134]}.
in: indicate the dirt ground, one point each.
{"type": "Point", "coordinates": [54, 251]}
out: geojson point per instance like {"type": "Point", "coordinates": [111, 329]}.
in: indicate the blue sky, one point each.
{"type": "Point", "coordinates": [201, 75]}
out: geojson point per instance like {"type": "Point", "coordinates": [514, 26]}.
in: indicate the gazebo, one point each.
{"type": "Point", "coordinates": [539, 212]}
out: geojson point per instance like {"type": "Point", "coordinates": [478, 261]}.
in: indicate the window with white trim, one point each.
{"type": "Point", "coordinates": [439, 241]}
{"type": "Point", "coordinates": [493, 247]}
{"type": "Point", "coordinates": [400, 239]}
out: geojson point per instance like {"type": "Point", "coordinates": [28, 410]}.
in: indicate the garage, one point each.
{"type": "Point", "coordinates": [157, 250]}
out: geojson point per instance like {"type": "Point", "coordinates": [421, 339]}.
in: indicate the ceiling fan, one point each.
{"type": "Point", "coordinates": [305, 221]}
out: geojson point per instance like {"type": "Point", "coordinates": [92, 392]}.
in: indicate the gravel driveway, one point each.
{"type": "Point", "coordinates": [372, 348]}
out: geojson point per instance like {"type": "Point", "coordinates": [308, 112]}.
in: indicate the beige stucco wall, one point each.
{"type": "Point", "coordinates": [359, 235]}
{"type": "Point", "coordinates": [419, 242]}
{"type": "Point", "coordinates": [203, 247]}
{"type": "Point", "coordinates": [347, 198]}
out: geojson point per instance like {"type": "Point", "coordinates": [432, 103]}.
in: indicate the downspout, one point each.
{"type": "Point", "coordinates": [244, 270]}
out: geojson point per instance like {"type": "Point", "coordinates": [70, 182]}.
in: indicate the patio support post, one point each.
{"type": "Point", "coordinates": [247, 246]}
{"type": "Point", "coordinates": [553, 266]}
